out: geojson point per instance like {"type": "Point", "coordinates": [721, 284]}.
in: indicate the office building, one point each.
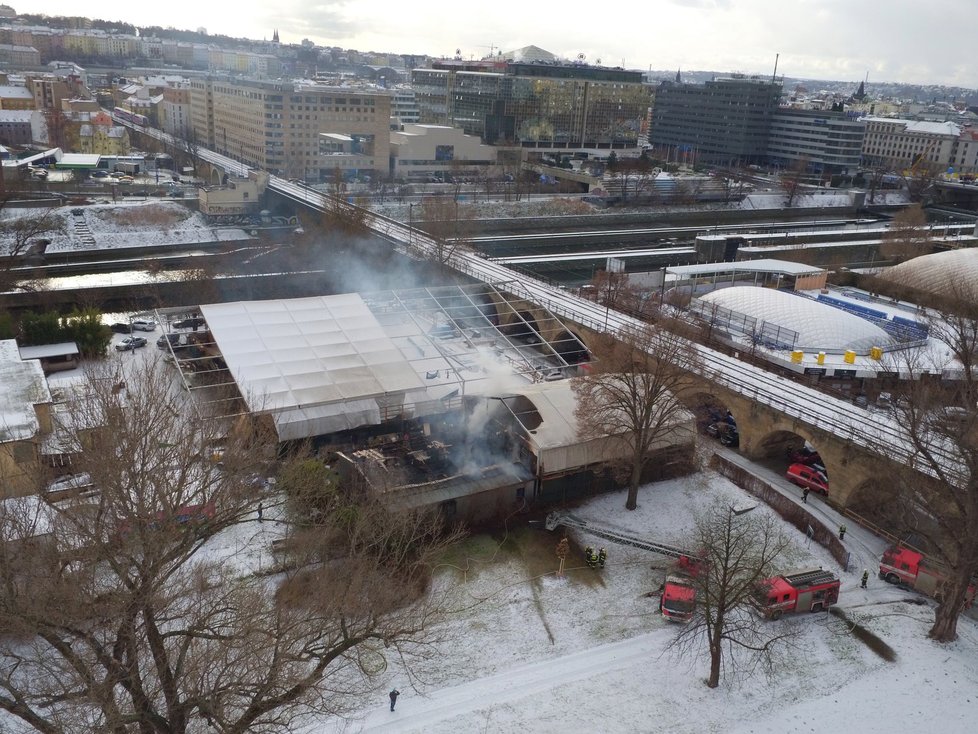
{"type": "Point", "coordinates": [825, 142]}
{"type": "Point", "coordinates": [722, 122]}
{"type": "Point", "coordinates": [545, 106]}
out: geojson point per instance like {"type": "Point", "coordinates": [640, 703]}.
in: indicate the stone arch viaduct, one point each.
{"type": "Point", "coordinates": [858, 448]}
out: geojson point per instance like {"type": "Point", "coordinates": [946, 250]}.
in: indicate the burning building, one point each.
{"type": "Point", "coordinates": [404, 386]}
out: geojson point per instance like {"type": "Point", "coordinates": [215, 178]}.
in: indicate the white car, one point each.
{"type": "Point", "coordinates": [143, 325]}
{"type": "Point", "coordinates": [70, 482]}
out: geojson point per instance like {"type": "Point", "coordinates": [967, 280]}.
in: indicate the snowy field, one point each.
{"type": "Point", "coordinates": [591, 653]}
{"type": "Point", "coordinates": [123, 224]}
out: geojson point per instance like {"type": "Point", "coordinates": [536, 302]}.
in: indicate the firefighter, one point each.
{"type": "Point", "coordinates": [602, 557]}
{"type": "Point", "coordinates": [865, 578]}
{"type": "Point", "coordinates": [589, 556]}
{"type": "Point", "coordinates": [804, 495]}
{"type": "Point", "coordinates": [842, 531]}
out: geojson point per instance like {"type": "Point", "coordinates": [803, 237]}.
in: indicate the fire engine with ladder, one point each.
{"type": "Point", "coordinates": [678, 594]}
{"type": "Point", "coordinates": [901, 565]}
{"type": "Point", "coordinates": [802, 591]}
{"type": "Point", "coordinates": [814, 590]}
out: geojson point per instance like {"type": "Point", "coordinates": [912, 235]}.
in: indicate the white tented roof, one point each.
{"type": "Point", "coordinates": [318, 365]}
{"type": "Point", "coordinates": [819, 326]}
{"type": "Point", "coordinates": [546, 410]}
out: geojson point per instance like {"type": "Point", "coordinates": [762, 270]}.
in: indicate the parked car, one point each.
{"type": "Point", "coordinates": [809, 477]}
{"type": "Point", "coordinates": [730, 437]}
{"type": "Point", "coordinates": [173, 339]}
{"type": "Point", "coordinates": [100, 174]}
{"type": "Point", "coordinates": [70, 482]}
{"type": "Point", "coordinates": [194, 322]}
{"type": "Point", "coordinates": [126, 179]}
{"type": "Point", "coordinates": [143, 325]}
{"type": "Point", "coordinates": [121, 328]}
{"type": "Point", "coordinates": [804, 455]}
{"type": "Point", "coordinates": [130, 343]}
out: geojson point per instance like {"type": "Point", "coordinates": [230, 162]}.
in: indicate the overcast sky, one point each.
{"type": "Point", "coordinates": [893, 40]}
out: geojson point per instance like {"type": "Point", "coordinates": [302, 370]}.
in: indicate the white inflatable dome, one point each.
{"type": "Point", "coordinates": [819, 326]}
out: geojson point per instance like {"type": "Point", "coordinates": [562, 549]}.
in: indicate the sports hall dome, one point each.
{"type": "Point", "coordinates": [820, 326]}
{"type": "Point", "coordinates": [938, 272]}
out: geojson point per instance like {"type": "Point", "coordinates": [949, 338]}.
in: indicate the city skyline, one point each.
{"type": "Point", "coordinates": [890, 41]}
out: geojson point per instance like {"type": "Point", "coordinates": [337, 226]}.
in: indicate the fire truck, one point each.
{"type": "Point", "coordinates": [678, 594]}
{"type": "Point", "coordinates": [678, 598]}
{"type": "Point", "coordinates": [814, 590]}
{"type": "Point", "coordinates": [904, 566]}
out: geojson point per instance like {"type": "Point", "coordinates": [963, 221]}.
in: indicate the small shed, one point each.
{"type": "Point", "coordinates": [53, 357]}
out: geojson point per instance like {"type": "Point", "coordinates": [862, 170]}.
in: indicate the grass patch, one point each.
{"type": "Point", "coordinates": [868, 638]}
{"type": "Point", "coordinates": [150, 215]}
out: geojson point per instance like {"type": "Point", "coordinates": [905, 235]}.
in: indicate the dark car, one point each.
{"type": "Point", "coordinates": [194, 322]}
{"type": "Point", "coordinates": [130, 343]}
{"type": "Point", "coordinates": [100, 174]}
{"type": "Point", "coordinates": [173, 339]}
{"type": "Point", "coordinates": [804, 456]}
{"type": "Point", "coordinates": [121, 328]}
{"type": "Point", "coordinates": [730, 437]}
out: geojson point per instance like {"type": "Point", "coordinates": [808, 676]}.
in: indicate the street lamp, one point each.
{"type": "Point", "coordinates": [410, 225]}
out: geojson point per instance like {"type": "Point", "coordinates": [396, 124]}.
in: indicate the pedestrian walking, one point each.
{"type": "Point", "coordinates": [804, 495]}
{"type": "Point", "coordinates": [865, 577]}
{"type": "Point", "coordinates": [394, 694]}
{"type": "Point", "coordinates": [842, 531]}
{"type": "Point", "coordinates": [261, 512]}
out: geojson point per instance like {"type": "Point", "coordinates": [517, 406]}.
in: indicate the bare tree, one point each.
{"type": "Point", "coordinates": [615, 290]}
{"type": "Point", "coordinates": [908, 235]}
{"type": "Point", "coordinates": [21, 232]}
{"type": "Point", "coordinates": [936, 498]}
{"type": "Point", "coordinates": [793, 178]}
{"type": "Point", "coordinates": [635, 394]}
{"type": "Point", "coordinates": [448, 224]}
{"type": "Point", "coordinates": [738, 554]}
{"type": "Point", "coordinates": [128, 609]}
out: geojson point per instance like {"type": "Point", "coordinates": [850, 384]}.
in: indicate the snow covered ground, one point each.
{"type": "Point", "coordinates": [591, 653]}
{"type": "Point", "coordinates": [121, 224]}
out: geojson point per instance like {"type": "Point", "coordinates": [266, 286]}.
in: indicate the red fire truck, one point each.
{"type": "Point", "coordinates": [904, 566]}
{"type": "Point", "coordinates": [678, 598]}
{"type": "Point", "coordinates": [803, 591]}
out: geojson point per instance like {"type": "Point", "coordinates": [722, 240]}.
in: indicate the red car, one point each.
{"type": "Point", "coordinates": [809, 477]}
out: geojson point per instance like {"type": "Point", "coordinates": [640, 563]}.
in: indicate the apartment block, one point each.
{"type": "Point", "coordinates": [278, 126]}
{"type": "Point", "coordinates": [897, 144]}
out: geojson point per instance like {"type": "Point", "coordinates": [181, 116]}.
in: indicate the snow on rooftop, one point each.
{"type": "Point", "coordinates": [763, 265]}
{"type": "Point", "coordinates": [22, 386]}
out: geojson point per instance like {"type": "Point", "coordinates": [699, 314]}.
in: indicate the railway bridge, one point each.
{"type": "Point", "coordinates": [772, 412]}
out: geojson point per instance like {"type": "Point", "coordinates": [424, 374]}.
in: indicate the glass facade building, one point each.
{"type": "Point", "coordinates": [536, 105]}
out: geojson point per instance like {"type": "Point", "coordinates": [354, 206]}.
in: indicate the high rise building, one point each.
{"type": "Point", "coordinates": [545, 106]}
{"type": "Point", "coordinates": [722, 122]}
